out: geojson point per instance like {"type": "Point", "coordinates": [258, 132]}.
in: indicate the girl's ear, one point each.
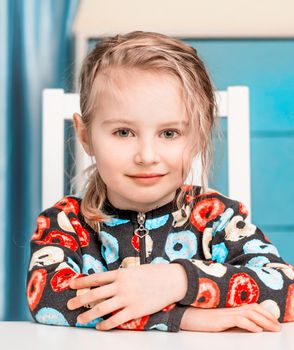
{"type": "Point", "coordinates": [81, 133]}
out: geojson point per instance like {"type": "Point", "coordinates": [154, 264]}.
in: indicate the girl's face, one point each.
{"type": "Point", "coordinates": [136, 129]}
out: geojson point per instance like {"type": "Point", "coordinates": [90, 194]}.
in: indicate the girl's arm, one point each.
{"type": "Point", "coordinates": [243, 267]}
{"type": "Point", "coordinates": [251, 317]}
{"type": "Point", "coordinates": [56, 258]}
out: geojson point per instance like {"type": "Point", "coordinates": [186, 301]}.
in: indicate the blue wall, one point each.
{"type": "Point", "coordinates": [267, 68]}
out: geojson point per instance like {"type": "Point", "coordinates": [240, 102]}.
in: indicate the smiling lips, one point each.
{"type": "Point", "coordinates": [147, 179]}
{"type": "Point", "coordinates": [147, 175]}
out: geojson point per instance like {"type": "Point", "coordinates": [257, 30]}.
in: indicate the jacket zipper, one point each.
{"type": "Point", "coordinates": [141, 232]}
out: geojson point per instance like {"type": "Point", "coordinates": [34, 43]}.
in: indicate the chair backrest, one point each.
{"type": "Point", "coordinates": [59, 106]}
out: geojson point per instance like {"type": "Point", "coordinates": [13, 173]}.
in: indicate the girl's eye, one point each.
{"type": "Point", "coordinates": [119, 130]}
{"type": "Point", "coordinates": [168, 132]}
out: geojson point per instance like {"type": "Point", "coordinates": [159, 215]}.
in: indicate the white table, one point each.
{"type": "Point", "coordinates": [33, 336]}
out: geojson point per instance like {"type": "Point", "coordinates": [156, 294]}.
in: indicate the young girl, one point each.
{"type": "Point", "coordinates": [140, 250]}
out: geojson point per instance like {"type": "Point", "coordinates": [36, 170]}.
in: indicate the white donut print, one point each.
{"type": "Point", "coordinates": [64, 223]}
{"type": "Point", "coordinates": [233, 233]}
{"type": "Point", "coordinates": [130, 261]}
{"type": "Point", "coordinates": [148, 245]}
{"type": "Point", "coordinates": [181, 216]}
{"type": "Point", "coordinates": [46, 256]}
{"type": "Point", "coordinates": [206, 239]}
{"type": "Point", "coordinates": [288, 270]}
{"type": "Point", "coordinates": [213, 269]}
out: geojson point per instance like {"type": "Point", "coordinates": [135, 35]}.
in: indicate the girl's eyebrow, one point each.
{"type": "Point", "coordinates": [130, 122]}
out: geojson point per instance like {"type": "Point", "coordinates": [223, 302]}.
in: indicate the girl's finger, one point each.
{"type": "Point", "coordinates": [245, 323]}
{"type": "Point", "coordinates": [263, 311]}
{"type": "Point", "coordinates": [100, 310]}
{"type": "Point", "coordinates": [116, 320]}
{"type": "Point", "coordinates": [262, 321]}
{"type": "Point", "coordinates": [96, 294]}
{"type": "Point", "coordinates": [95, 279]}
{"type": "Point", "coordinates": [267, 313]}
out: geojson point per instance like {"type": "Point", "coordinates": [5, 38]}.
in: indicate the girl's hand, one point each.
{"type": "Point", "coordinates": [252, 317]}
{"type": "Point", "coordinates": [129, 292]}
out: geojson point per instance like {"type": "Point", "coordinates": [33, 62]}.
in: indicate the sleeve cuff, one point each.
{"type": "Point", "coordinates": [193, 285]}
{"type": "Point", "coordinates": [175, 318]}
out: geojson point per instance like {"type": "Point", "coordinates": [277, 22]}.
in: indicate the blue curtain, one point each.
{"type": "Point", "coordinates": [36, 53]}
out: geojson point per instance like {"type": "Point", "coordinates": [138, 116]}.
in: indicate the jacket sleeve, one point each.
{"type": "Point", "coordinates": [168, 320]}
{"type": "Point", "coordinates": [242, 266]}
{"type": "Point", "coordinates": [56, 259]}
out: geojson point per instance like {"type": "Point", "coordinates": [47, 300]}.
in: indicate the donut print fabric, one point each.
{"type": "Point", "coordinates": [228, 261]}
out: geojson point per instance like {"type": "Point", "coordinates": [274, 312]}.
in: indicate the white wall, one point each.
{"type": "Point", "coordinates": [188, 18]}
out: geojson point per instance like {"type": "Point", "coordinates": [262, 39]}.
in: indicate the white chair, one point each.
{"type": "Point", "coordinates": [59, 106]}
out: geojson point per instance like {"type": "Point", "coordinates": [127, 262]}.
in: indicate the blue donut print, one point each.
{"type": "Point", "coordinates": [48, 315]}
{"type": "Point", "coordinates": [74, 265]}
{"type": "Point", "coordinates": [223, 221]}
{"type": "Point", "coordinates": [186, 241]}
{"type": "Point", "coordinates": [115, 222]}
{"type": "Point", "coordinates": [109, 248]}
{"type": "Point", "coordinates": [219, 252]}
{"type": "Point", "coordinates": [258, 261]}
{"type": "Point", "coordinates": [269, 276]}
{"type": "Point", "coordinates": [159, 326]}
{"type": "Point", "coordinates": [257, 246]}
{"type": "Point", "coordinates": [159, 260]}
{"type": "Point", "coordinates": [89, 262]}
{"type": "Point", "coordinates": [90, 324]}
{"type": "Point", "coordinates": [152, 224]}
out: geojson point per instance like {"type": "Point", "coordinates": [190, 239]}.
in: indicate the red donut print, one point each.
{"type": "Point", "coordinates": [83, 234]}
{"type": "Point", "coordinates": [242, 209]}
{"type": "Point", "coordinates": [63, 239]}
{"type": "Point", "coordinates": [136, 324]}
{"type": "Point", "coordinates": [289, 308]}
{"type": "Point", "coordinates": [61, 279]}
{"type": "Point", "coordinates": [242, 290]}
{"type": "Point", "coordinates": [208, 296]}
{"type": "Point", "coordinates": [42, 223]}
{"type": "Point", "coordinates": [68, 205]}
{"type": "Point", "coordinates": [190, 198]}
{"type": "Point", "coordinates": [35, 287]}
{"type": "Point", "coordinates": [205, 211]}
{"type": "Point", "coordinates": [136, 243]}
{"type": "Point", "coordinates": [169, 307]}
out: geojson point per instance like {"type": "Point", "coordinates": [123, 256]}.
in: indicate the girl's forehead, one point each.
{"type": "Point", "coordinates": [138, 96]}
{"type": "Point", "coordinates": [121, 79]}
{"type": "Point", "coordinates": [132, 86]}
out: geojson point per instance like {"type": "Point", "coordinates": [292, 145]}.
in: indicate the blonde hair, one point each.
{"type": "Point", "coordinates": [162, 54]}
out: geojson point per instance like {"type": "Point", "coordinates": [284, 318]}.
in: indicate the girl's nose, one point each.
{"type": "Point", "coordinates": [147, 153]}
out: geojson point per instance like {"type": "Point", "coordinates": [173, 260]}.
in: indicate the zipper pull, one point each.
{"type": "Point", "coordinates": [141, 231]}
